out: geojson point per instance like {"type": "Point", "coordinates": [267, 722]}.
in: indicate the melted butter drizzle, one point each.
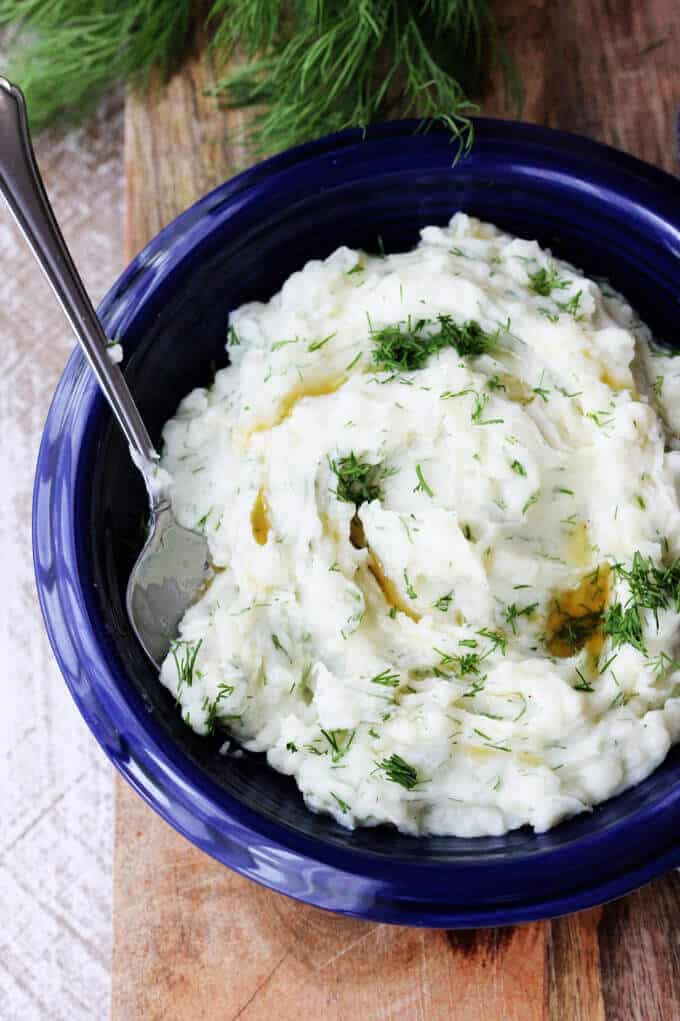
{"type": "Point", "coordinates": [259, 518]}
{"type": "Point", "coordinates": [575, 620]}
{"type": "Point", "coordinates": [388, 588]}
{"type": "Point", "coordinates": [311, 388]}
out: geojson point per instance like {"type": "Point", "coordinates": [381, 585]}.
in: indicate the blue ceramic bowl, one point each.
{"type": "Point", "coordinates": [609, 214]}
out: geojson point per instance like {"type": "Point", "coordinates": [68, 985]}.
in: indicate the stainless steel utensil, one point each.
{"type": "Point", "coordinates": [173, 565]}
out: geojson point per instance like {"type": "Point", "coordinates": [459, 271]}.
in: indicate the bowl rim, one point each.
{"type": "Point", "coordinates": [135, 753]}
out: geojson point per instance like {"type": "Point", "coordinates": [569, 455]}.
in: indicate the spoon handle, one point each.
{"type": "Point", "coordinates": [22, 187]}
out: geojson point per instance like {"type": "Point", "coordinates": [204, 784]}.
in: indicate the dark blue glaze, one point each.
{"type": "Point", "coordinates": [608, 213]}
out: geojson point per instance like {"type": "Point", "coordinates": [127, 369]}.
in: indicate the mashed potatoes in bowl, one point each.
{"type": "Point", "coordinates": [440, 495]}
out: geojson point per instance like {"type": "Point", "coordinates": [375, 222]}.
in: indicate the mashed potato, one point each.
{"type": "Point", "coordinates": [440, 494]}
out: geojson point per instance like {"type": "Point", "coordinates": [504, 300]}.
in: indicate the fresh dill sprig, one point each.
{"type": "Point", "coordinates": [399, 771]}
{"type": "Point", "coordinates": [306, 67]}
{"type": "Point", "coordinates": [358, 480]}
{"type": "Point", "coordinates": [407, 346]}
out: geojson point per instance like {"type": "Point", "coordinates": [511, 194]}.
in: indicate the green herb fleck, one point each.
{"type": "Point", "coordinates": [399, 771]}
{"type": "Point", "coordinates": [279, 648]}
{"type": "Point", "coordinates": [422, 484]}
{"type": "Point", "coordinates": [340, 742]}
{"type": "Point", "coordinates": [410, 591]}
{"type": "Point", "coordinates": [184, 654]}
{"type": "Point", "coordinates": [546, 280]}
{"type": "Point", "coordinates": [316, 345]}
{"type": "Point", "coordinates": [358, 480]}
{"type": "Point", "coordinates": [513, 612]}
{"type": "Point", "coordinates": [343, 804]}
{"type": "Point", "coordinates": [407, 346]}
{"type": "Point", "coordinates": [387, 678]}
{"type": "Point", "coordinates": [530, 502]}
{"type": "Point", "coordinates": [518, 467]}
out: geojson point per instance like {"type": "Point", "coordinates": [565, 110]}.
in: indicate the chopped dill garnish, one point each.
{"type": "Point", "coordinates": [354, 361]}
{"type": "Point", "coordinates": [552, 317]}
{"type": "Point", "coordinates": [358, 480]}
{"type": "Point", "coordinates": [571, 307]}
{"type": "Point", "coordinates": [663, 664]}
{"type": "Point", "coordinates": [541, 392]}
{"type": "Point", "coordinates": [214, 716]}
{"type": "Point", "coordinates": [444, 602]}
{"type": "Point", "coordinates": [481, 401]}
{"type": "Point", "coordinates": [316, 345]}
{"type": "Point", "coordinates": [233, 339]}
{"type": "Point", "coordinates": [651, 588]}
{"type": "Point", "coordinates": [358, 268]}
{"type": "Point", "coordinates": [655, 588]}
{"type": "Point", "coordinates": [184, 654]}
{"type": "Point", "coordinates": [279, 648]}
{"type": "Point", "coordinates": [583, 684]}
{"type": "Point", "coordinates": [530, 502]}
{"type": "Point", "coordinates": [278, 344]}
{"type": "Point", "coordinates": [406, 346]}
{"type": "Point", "coordinates": [624, 626]}
{"type": "Point", "coordinates": [399, 771]}
{"type": "Point", "coordinates": [518, 467]}
{"type": "Point", "coordinates": [422, 484]}
{"type": "Point", "coordinates": [497, 638]}
{"type": "Point", "coordinates": [513, 612]}
{"type": "Point", "coordinates": [410, 591]}
{"type": "Point", "coordinates": [340, 742]}
{"type": "Point", "coordinates": [343, 804]}
{"type": "Point", "coordinates": [387, 678]}
{"type": "Point", "coordinates": [545, 281]}
{"type": "Point", "coordinates": [291, 746]}
{"type": "Point", "coordinates": [494, 383]}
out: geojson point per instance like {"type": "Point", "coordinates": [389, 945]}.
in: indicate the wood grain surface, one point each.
{"type": "Point", "coordinates": [193, 940]}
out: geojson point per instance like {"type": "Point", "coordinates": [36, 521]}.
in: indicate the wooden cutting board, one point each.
{"type": "Point", "coordinates": [193, 940]}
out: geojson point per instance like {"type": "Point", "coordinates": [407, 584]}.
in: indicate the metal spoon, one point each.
{"type": "Point", "coordinates": [173, 564]}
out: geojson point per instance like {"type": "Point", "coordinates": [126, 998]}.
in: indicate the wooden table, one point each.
{"type": "Point", "coordinates": [193, 940]}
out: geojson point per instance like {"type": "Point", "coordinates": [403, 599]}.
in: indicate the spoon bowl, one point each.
{"type": "Point", "coordinates": [168, 574]}
{"type": "Point", "coordinates": [173, 565]}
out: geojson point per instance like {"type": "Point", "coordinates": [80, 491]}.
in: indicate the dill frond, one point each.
{"type": "Point", "coordinates": [309, 66]}
{"type": "Point", "coordinates": [67, 53]}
